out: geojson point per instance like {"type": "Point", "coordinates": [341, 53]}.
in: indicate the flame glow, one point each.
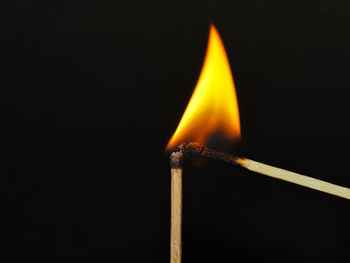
{"type": "Point", "coordinates": [213, 106]}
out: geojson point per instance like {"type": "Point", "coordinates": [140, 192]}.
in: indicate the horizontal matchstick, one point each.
{"type": "Point", "coordinates": [198, 150]}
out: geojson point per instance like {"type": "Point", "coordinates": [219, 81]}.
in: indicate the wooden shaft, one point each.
{"type": "Point", "coordinates": [176, 215]}
{"type": "Point", "coordinates": [295, 178]}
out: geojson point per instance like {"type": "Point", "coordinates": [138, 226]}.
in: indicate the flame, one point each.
{"type": "Point", "coordinates": [213, 106]}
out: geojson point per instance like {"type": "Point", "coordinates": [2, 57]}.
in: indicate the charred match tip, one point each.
{"type": "Point", "coordinates": [192, 148]}
{"type": "Point", "coordinates": [196, 149]}
{"type": "Point", "coordinates": [176, 159]}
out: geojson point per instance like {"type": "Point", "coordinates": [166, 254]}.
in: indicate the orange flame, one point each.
{"type": "Point", "coordinates": [213, 106]}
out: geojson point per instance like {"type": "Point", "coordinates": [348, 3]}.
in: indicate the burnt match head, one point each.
{"type": "Point", "coordinates": [196, 149]}
{"type": "Point", "coordinates": [193, 148]}
{"type": "Point", "coordinates": [176, 159]}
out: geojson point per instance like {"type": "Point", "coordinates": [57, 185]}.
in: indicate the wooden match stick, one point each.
{"type": "Point", "coordinates": [199, 150]}
{"type": "Point", "coordinates": [176, 206]}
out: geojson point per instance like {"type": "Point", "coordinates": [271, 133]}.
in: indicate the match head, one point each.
{"type": "Point", "coordinates": [193, 148]}
{"type": "Point", "coordinates": [176, 159]}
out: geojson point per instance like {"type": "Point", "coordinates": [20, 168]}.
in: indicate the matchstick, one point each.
{"type": "Point", "coordinates": [176, 206]}
{"type": "Point", "coordinates": [199, 150]}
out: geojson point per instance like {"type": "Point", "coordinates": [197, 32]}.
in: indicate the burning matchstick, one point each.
{"type": "Point", "coordinates": [213, 108]}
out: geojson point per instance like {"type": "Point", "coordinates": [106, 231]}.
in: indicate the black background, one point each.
{"type": "Point", "coordinates": [91, 92]}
